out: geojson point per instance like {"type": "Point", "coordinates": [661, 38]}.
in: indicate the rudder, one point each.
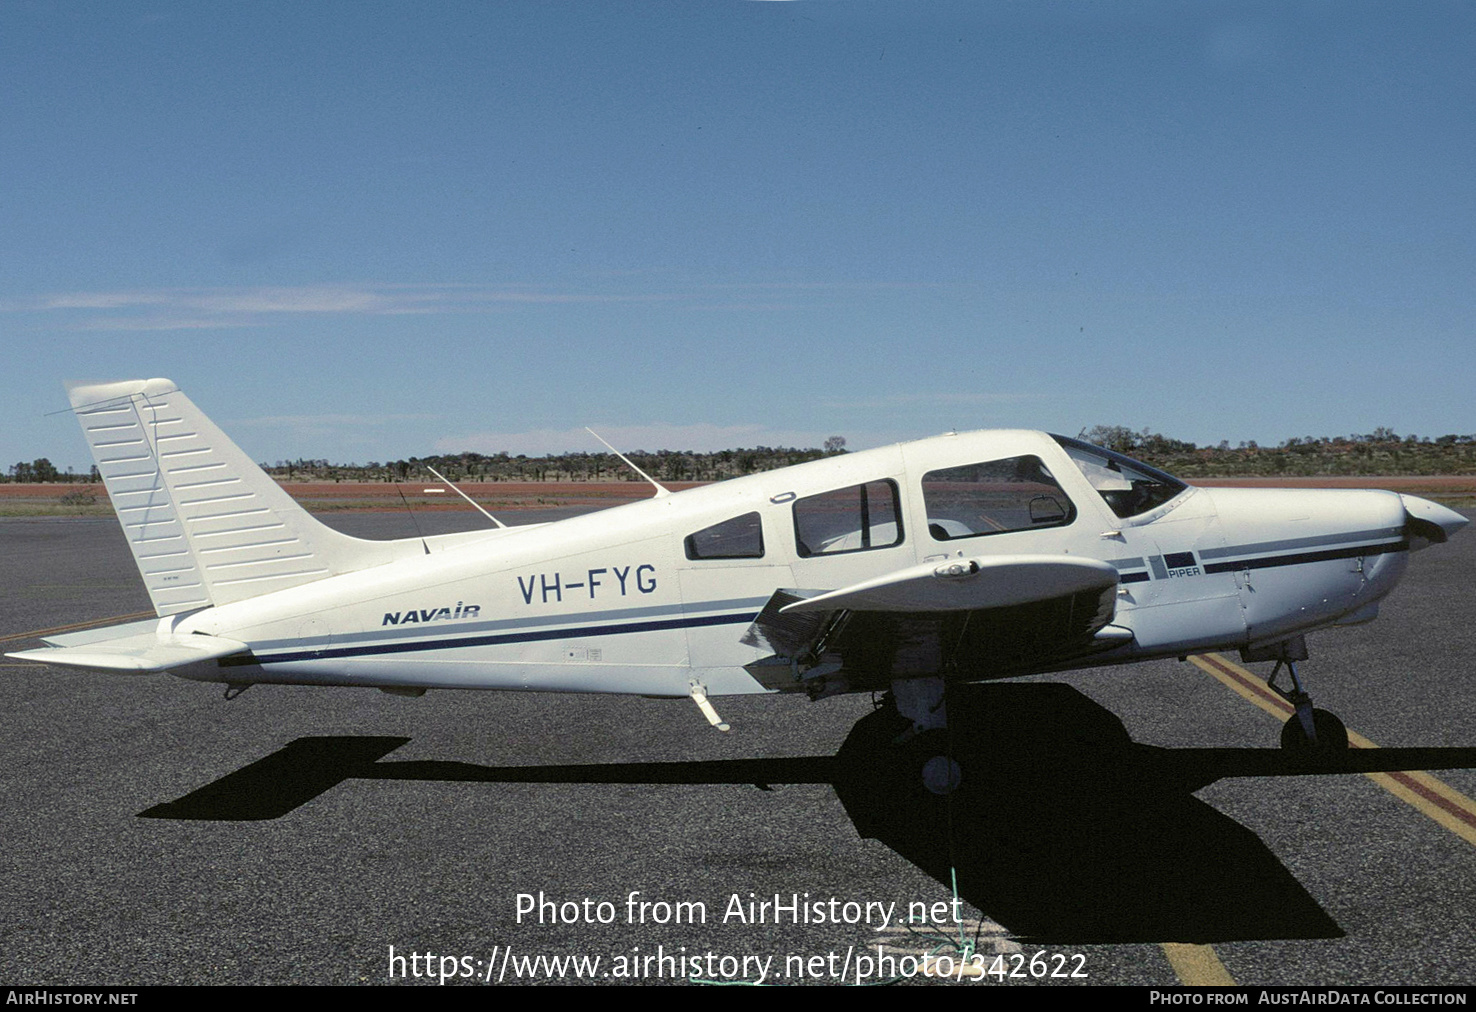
{"type": "Point", "coordinates": [206, 525]}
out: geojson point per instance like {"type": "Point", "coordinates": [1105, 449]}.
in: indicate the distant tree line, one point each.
{"type": "Point", "coordinates": [1381, 452]}
{"type": "Point", "coordinates": [663, 465]}
{"type": "Point", "coordinates": [42, 470]}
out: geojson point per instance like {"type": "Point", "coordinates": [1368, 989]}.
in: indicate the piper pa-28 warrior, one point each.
{"type": "Point", "coordinates": [899, 570]}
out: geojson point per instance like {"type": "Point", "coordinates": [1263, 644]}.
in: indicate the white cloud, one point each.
{"type": "Point", "coordinates": [206, 307]}
{"type": "Point", "coordinates": [191, 308]}
{"type": "Point", "coordinates": [151, 321]}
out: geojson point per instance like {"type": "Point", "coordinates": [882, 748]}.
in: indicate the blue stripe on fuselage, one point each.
{"type": "Point", "coordinates": [418, 646]}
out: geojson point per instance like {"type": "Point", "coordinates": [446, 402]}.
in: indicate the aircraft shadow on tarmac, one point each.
{"type": "Point", "coordinates": [1062, 829]}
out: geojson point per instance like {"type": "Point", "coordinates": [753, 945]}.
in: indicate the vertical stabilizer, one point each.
{"type": "Point", "coordinates": [206, 525]}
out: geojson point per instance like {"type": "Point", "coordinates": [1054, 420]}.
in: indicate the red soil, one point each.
{"type": "Point", "coordinates": [510, 495]}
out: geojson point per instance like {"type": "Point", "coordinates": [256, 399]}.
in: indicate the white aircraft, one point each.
{"type": "Point", "coordinates": [963, 557]}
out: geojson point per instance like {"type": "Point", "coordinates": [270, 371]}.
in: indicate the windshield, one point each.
{"type": "Point", "coordinates": [1129, 486]}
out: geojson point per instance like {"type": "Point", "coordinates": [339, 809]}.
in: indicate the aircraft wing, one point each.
{"type": "Point", "coordinates": [970, 618]}
{"type": "Point", "coordinates": [136, 648]}
{"type": "Point", "coordinates": [968, 585]}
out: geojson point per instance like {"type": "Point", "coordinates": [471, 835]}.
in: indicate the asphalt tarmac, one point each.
{"type": "Point", "coordinates": [154, 832]}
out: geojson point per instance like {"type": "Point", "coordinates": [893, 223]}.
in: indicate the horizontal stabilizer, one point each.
{"type": "Point", "coordinates": [998, 581]}
{"type": "Point", "coordinates": [137, 653]}
{"type": "Point", "coordinates": [108, 632]}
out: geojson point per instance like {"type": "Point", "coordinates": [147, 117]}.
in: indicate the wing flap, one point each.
{"type": "Point", "coordinates": [141, 653]}
{"type": "Point", "coordinates": [976, 618]}
{"type": "Point", "coordinates": [780, 632]}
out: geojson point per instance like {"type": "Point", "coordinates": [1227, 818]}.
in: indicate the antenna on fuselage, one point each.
{"type": "Point", "coordinates": [423, 543]}
{"type": "Point", "coordinates": [463, 495]}
{"type": "Point", "coordinates": [661, 490]}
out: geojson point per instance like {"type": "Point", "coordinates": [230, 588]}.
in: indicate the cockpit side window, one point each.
{"type": "Point", "coordinates": [995, 497]}
{"type": "Point", "coordinates": [854, 519]}
{"type": "Point", "coordinates": [1129, 486]}
{"type": "Point", "coordinates": [739, 538]}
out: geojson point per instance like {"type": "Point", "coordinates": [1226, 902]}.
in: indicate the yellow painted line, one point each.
{"type": "Point", "coordinates": [1197, 965]}
{"type": "Point", "coordinates": [1245, 684]}
{"type": "Point", "coordinates": [37, 633]}
{"type": "Point", "coordinates": [1429, 795]}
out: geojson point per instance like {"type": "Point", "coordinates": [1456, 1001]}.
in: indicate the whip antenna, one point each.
{"type": "Point", "coordinates": [463, 495]}
{"type": "Point", "coordinates": [661, 490]}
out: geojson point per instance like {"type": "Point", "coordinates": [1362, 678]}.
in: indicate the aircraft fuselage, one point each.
{"type": "Point", "coordinates": [615, 601]}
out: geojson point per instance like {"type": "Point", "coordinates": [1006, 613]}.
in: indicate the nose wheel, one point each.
{"type": "Point", "coordinates": [1329, 734]}
{"type": "Point", "coordinates": [1308, 728]}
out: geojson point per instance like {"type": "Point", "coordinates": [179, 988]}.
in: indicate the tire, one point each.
{"type": "Point", "coordinates": [1332, 736]}
{"type": "Point", "coordinates": [931, 763]}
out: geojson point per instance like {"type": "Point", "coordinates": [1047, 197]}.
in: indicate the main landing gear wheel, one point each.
{"type": "Point", "coordinates": [924, 744]}
{"type": "Point", "coordinates": [1332, 736]}
{"type": "Point", "coordinates": [931, 765]}
{"type": "Point", "coordinates": [941, 775]}
{"type": "Point", "coordinates": [929, 762]}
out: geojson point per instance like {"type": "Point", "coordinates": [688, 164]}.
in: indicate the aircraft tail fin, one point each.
{"type": "Point", "coordinates": [206, 525]}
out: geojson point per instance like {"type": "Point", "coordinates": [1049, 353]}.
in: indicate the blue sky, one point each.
{"type": "Point", "coordinates": [369, 230]}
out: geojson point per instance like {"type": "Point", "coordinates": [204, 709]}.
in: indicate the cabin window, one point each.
{"type": "Point", "coordinates": [1014, 494]}
{"type": "Point", "coordinates": [738, 538]}
{"type": "Point", "coordinates": [853, 519]}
